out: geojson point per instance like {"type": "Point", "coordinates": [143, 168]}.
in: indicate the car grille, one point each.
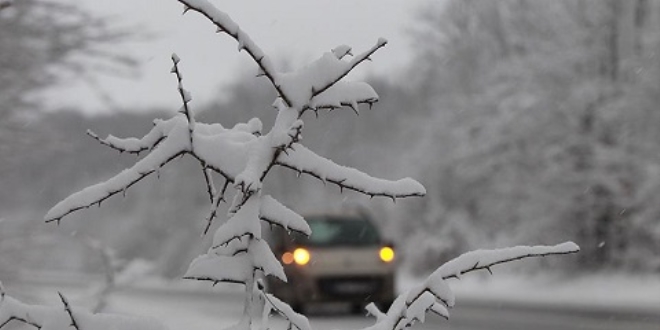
{"type": "Point", "coordinates": [350, 286]}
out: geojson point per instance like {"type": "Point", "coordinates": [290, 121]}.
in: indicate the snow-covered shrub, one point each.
{"type": "Point", "coordinates": [241, 157]}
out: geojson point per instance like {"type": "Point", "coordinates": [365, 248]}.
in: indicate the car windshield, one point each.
{"type": "Point", "coordinates": [340, 231]}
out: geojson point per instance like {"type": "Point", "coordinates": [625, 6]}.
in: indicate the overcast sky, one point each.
{"type": "Point", "coordinates": [290, 31]}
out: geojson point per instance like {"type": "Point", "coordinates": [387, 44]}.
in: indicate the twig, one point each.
{"type": "Point", "coordinates": [225, 24]}
{"type": "Point", "coordinates": [69, 311]}
{"type": "Point", "coordinates": [185, 98]}
{"type": "Point", "coordinates": [352, 64]}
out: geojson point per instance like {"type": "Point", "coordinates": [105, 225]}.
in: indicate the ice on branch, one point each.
{"type": "Point", "coordinates": [303, 160]}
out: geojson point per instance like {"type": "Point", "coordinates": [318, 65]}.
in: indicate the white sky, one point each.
{"type": "Point", "coordinates": [294, 31]}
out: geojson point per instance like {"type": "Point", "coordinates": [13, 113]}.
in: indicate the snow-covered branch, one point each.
{"type": "Point", "coordinates": [174, 145]}
{"type": "Point", "coordinates": [273, 304]}
{"type": "Point", "coordinates": [335, 77]}
{"type": "Point", "coordinates": [58, 318]}
{"type": "Point", "coordinates": [275, 213]}
{"type": "Point", "coordinates": [345, 94]}
{"type": "Point", "coordinates": [131, 145]}
{"type": "Point", "coordinates": [485, 259]}
{"type": "Point", "coordinates": [225, 24]}
{"type": "Point", "coordinates": [434, 293]}
{"type": "Point", "coordinates": [244, 156]}
{"type": "Point", "coordinates": [303, 160]}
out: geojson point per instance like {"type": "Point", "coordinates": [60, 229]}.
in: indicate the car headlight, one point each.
{"type": "Point", "coordinates": [301, 256]}
{"type": "Point", "coordinates": [386, 254]}
{"type": "Point", "coordinates": [287, 258]}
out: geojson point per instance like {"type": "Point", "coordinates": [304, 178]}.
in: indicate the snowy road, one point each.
{"type": "Point", "coordinates": [190, 310]}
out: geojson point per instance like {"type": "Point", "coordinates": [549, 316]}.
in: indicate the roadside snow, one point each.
{"type": "Point", "coordinates": [602, 292]}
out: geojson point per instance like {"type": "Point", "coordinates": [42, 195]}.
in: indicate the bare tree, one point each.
{"type": "Point", "coordinates": [46, 42]}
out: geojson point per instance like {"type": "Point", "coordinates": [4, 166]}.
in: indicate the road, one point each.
{"type": "Point", "coordinates": [219, 310]}
{"type": "Point", "coordinates": [190, 310]}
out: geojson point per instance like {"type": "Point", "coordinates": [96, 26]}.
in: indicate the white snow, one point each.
{"type": "Point", "coordinates": [306, 161]}
{"type": "Point", "coordinates": [58, 318]}
{"type": "Point", "coordinates": [217, 268]}
{"type": "Point", "coordinates": [347, 93]}
{"type": "Point", "coordinates": [273, 303]}
{"type": "Point", "coordinates": [243, 223]}
{"type": "Point", "coordinates": [605, 292]}
{"type": "Point", "coordinates": [487, 258]}
{"type": "Point", "coordinates": [276, 213]}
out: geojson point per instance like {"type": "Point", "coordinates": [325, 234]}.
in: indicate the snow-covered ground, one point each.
{"type": "Point", "coordinates": [604, 292]}
{"type": "Point", "coordinates": [194, 305]}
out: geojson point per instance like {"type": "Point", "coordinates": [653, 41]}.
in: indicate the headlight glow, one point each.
{"type": "Point", "coordinates": [386, 254]}
{"type": "Point", "coordinates": [301, 256]}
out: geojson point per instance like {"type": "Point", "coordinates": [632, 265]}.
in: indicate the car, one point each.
{"type": "Point", "coordinates": [344, 260]}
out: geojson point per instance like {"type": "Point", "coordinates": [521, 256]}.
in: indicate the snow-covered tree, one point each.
{"type": "Point", "coordinates": [241, 157]}
{"type": "Point", "coordinates": [544, 114]}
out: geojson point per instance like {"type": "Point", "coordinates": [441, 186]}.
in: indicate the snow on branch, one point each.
{"type": "Point", "coordinates": [274, 213]}
{"type": "Point", "coordinates": [485, 259]}
{"type": "Point", "coordinates": [303, 160]}
{"type": "Point", "coordinates": [174, 145]}
{"type": "Point", "coordinates": [217, 269]}
{"type": "Point", "coordinates": [274, 304]}
{"type": "Point", "coordinates": [345, 94]}
{"type": "Point", "coordinates": [236, 268]}
{"type": "Point", "coordinates": [297, 89]}
{"type": "Point", "coordinates": [213, 146]}
{"type": "Point", "coordinates": [58, 318]}
{"type": "Point", "coordinates": [134, 145]}
{"type": "Point", "coordinates": [225, 24]}
{"type": "Point", "coordinates": [245, 222]}
{"type": "Point", "coordinates": [317, 77]}
{"type": "Point", "coordinates": [435, 295]}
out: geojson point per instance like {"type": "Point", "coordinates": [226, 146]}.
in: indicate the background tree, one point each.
{"type": "Point", "coordinates": [536, 104]}
{"type": "Point", "coordinates": [43, 43]}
